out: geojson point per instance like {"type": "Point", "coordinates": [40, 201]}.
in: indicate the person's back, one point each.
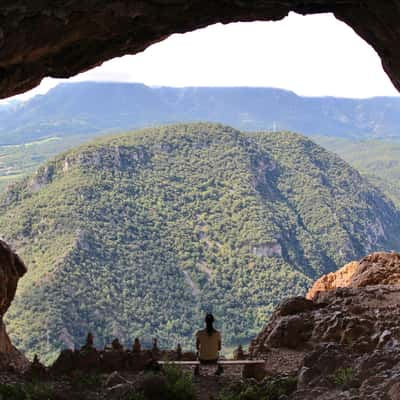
{"type": "Point", "coordinates": [208, 344]}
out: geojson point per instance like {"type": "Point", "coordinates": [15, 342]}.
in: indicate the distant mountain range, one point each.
{"type": "Point", "coordinates": [139, 234]}
{"type": "Point", "coordinates": [91, 108]}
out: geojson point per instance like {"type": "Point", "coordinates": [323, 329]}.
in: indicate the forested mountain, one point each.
{"type": "Point", "coordinates": [70, 114]}
{"type": "Point", "coordinates": [378, 160]}
{"type": "Point", "coordinates": [139, 234]}
{"type": "Point", "coordinates": [89, 108]}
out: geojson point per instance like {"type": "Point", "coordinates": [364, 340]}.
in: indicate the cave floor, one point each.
{"type": "Point", "coordinates": [81, 386]}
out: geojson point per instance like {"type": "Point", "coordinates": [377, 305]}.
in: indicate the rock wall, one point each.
{"type": "Point", "coordinates": [12, 269]}
{"type": "Point", "coordinates": [345, 339]}
{"type": "Point", "coordinates": [61, 38]}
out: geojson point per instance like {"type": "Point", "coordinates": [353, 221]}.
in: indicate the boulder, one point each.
{"type": "Point", "coordinates": [295, 305]}
{"type": "Point", "coordinates": [290, 331]}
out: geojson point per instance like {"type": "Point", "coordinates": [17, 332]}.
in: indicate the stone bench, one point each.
{"type": "Point", "coordinates": [219, 362]}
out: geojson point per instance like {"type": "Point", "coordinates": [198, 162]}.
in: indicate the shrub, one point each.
{"type": "Point", "coordinates": [85, 380]}
{"type": "Point", "coordinates": [179, 384]}
{"type": "Point", "coordinates": [12, 392]}
{"type": "Point", "coordinates": [154, 386]}
{"type": "Point", "coordinates": [171, 384]}
{"type": "Point", "coordinates": [29, 391]}
{"type": "Point", "coordinates": [135, 396]}
{"type": "Point", "coordinates": [268, 389]}
{"type": "Point", "coordinates": [343, 377]}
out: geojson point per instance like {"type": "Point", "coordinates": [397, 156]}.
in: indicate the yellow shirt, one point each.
{"type": "Point", "coordinates": [208, 345]}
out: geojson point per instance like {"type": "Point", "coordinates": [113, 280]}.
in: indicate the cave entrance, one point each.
{"type": "Point", "coordinates": [291, 64]}
{"type": "Point", "coordinates": [62, 40]}
{"type": "Point", "coordinates": [314, 55]}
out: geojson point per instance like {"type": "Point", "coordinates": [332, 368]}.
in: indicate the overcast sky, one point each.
{"type": "Point", "coordinates": [312, 56]}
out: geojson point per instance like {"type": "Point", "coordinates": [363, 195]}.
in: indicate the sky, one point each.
{"type": "Point", "coordinates": [312, 56]}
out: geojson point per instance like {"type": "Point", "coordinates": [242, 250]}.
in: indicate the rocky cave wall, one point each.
{"type": "Point", "coordinates": [60, 38]}
{"type": "Point", "coordinates": [12, 269]}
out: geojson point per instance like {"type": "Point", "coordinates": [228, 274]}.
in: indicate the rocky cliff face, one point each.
{"type": "Point", "coordinates": [12, 269]}
{"type": "Point", "coordinates": [343, 342]}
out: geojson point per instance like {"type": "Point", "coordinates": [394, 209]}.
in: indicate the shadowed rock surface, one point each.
{"type": "Point", "coordinates": [11, 269]}
{"type": "Point", "coordinates": [60, 39]}
{"type": "Point", "coordinates": [344, 343]}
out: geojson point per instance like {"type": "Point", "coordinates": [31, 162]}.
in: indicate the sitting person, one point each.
{"type": "Point", "coordinates": [208, 345]}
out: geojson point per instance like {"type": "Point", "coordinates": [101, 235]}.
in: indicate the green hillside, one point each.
{"type": "Point", "coordinates": [139, 234]}
{"type": "Point", "coordinates": [73, 113]}
{"type": "Point", "coordinates": [378, 160]}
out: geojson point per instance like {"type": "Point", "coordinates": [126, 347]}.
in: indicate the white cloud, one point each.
{"type": "Point", "coordinates": [313, 56]}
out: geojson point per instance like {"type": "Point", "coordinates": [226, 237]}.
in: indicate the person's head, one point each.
{"type": "Point", "coordinates": [209, 323]}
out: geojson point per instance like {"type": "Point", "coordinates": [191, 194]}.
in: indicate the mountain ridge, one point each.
{"type": "Point", "coordinates": [90, 108]}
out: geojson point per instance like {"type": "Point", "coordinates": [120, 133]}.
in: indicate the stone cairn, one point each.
{"type": "Point", "coordinates": [115, 357]}
{"type": "Point", "coordinates": [37, 369]}
{"type": "Point", "coordinates": [239, 354]}
{"type": "Point", "coordinates": [89, 345]}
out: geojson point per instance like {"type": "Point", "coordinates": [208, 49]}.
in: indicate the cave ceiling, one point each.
{"type": "Point", "coordinates": [40, 38]}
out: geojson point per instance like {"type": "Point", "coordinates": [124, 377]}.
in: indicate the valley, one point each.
{"type": "Point", "coordinates": [139, 234]}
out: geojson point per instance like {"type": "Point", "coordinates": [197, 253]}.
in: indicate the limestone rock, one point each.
{"type": "Point", "coordinates": [376, 269]}
{"type": "Point", "coordinates": [334, 280]}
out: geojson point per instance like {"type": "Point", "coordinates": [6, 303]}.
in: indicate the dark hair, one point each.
{"type": "Point", "coordinates": [209, 324]}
